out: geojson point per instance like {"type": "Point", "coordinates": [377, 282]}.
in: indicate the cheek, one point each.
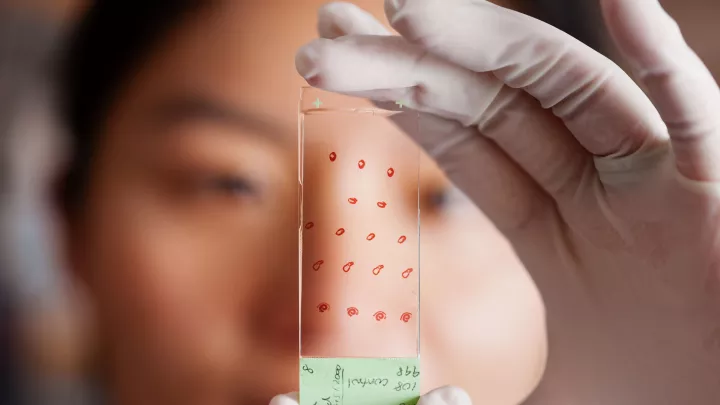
{"type": "Point", "coordinates": [162, 287]}
{"type": "Point", "coordinates": [481, 306]}
{"type": "Point", "coordinates": [464, 257]}
{"type": "Point", "coordinates": [178, 288]}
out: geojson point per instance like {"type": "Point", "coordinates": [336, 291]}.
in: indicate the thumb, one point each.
{"type": "Point", "coordinates": [447, 395]}
{"type": "Point", "coordinates": [285, 399]}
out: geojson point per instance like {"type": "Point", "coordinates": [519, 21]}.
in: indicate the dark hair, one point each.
{"type": "Point", "coordinates": [106, 47]}
{"type": "Point", "coordinates": [579, 18]}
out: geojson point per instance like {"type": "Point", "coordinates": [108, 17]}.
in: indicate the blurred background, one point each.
{"type": "Point", "coordinates": [43, 321]}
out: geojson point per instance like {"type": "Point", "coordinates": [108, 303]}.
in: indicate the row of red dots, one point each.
{"type": "Point", "coordinates": [370, 236]}
{"type": "Point", "coordinates": [376, 270]}
{"type": "Point", "coordinates": [352, 311]}
{"type": "Point", "coordinates": [361, 164]}
{"type": "Point", "coordinates": [353, 201]}
{"type": "Point", "coordinates": [380, 204]}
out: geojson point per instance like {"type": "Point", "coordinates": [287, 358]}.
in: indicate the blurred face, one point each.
{"type": "Point", "coordinates": [188, 241]}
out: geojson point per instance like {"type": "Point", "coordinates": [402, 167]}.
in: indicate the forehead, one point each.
{"type": "Point", "coordinates": [241, 53]}
{"type": "Point", "coordinates": [238, 54]}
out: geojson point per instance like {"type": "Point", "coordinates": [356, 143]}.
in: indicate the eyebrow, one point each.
{"type": "Point", "coordinates": [190, 107]}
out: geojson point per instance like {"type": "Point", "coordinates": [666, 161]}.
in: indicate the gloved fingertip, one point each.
{"type": "Point", "coordinates": [306, 61]}
{"type": "Point", "coordinates": [291, 398]}
{"type": "Point", "coordinates": [448, 395]}
{"type": "Point", "coordinates": [334, 19]}
{"type": "Point", "coordinates": [335, 7]}
{"type": "Point", "coordinates": [331, 10]}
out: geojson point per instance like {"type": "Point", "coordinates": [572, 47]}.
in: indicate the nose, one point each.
{"type": "Point", "coordinates": [359, 239]}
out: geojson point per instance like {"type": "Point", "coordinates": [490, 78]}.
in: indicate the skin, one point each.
{"type": "Point", "coordinates": [187, 243]}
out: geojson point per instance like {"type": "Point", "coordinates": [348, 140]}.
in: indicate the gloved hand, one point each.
{"type": "Point", "coordinates": [441, 396]}
{"type": "Point", "coordinates": [611, 198]}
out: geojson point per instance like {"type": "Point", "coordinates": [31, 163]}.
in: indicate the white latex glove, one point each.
{"type": "Point", "coordinates": [441, 396]}
{"type": "Point", "coordinates": [610, 199]}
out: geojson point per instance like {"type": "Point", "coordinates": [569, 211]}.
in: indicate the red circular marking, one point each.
{"type": "Point", "coordinates": [402, 239]}
{"type": "Point", "coordinates": [382, 204]}
{"type": "Point", "coordinates": [352, 200]}
{"type": "Point", "coordinates": [348, 266]}
{"type": "Point", "coordinates": [317, 264]}
{"type": "Point", "coordinates": [406, 273]}
{"type": "Point", "coordinates": [340, 231]}
{"type": "Point", "coordinates": [309, 225]}
{"type": "Point", "coordinates": [379, 316]}
{"type": "Point", "coordinates": [361, 164]}
{"type": "Point", "coordinates": [323, 306]}
{"type": "Point", "coordinates": [370, 236]}
{"type": "Point", "coordinates": [333, 156]}
{"type": "Point", "coordinates": [390, 172]}
{"type": "Point", "coordinates": [352, 311]}
{"type": "Point", "coordinates": [405, 317]}
{"type": "Point", "coordinates": [378, 269]}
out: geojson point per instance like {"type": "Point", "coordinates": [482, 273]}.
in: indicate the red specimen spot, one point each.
{"type": "Point", "coordinates": [361, 164]}
{"type": "Point", "coordinates": [406, 273]}
{"type": "Point", "coordinates": [390, 172]}
{"type": "Point", "coordinates": [405, 317]}
{"type": "Point", "coordinates": [402, 239]}
{"type": "Point", "coordinates": [379, 315]}
{"type": "Point", "coordinates": [323, 306]}
{"type": "Point", "coordinates": [352, 311]}
{"type": "Point", "coordinates": [352, 200]}
{"type": "Point", "coordinates": [340, 231]}
{"type": "Point", "coordinates": [370, 236]}
{"type": "Point", "coordinates": [348, 266]}
{"type": "Point", "coordinates": [382, 204]}
{"type": "Point", "coordinates": [309, 225]}
{"type": "Point", "coordinates": [378, 269]}
{"type": "Point", "coordinates": [317, 264]}
{"type": "Point", "coordinates": [333, 156]}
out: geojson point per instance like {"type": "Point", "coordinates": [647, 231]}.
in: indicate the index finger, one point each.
{"type": "Point", "coordinates": [605, 110]}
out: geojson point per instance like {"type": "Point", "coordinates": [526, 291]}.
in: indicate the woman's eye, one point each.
{"type": "Point", "coordinates": [233, 186]}
{"type": "Point", "coordinates": [438, 199]}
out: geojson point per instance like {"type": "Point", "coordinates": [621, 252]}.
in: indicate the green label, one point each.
{"type": "Point", "coordinates": [359, 381]}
